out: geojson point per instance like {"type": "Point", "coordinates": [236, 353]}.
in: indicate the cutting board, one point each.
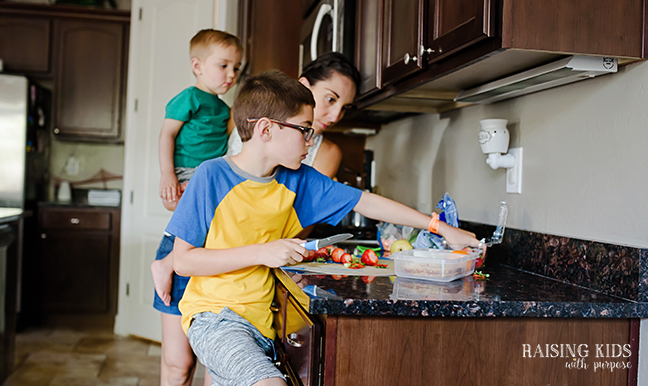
{"type": "Point", "coordinates": [315, 268]}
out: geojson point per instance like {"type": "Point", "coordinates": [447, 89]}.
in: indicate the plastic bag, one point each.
{"type": "Point", "coordinates": [388, 233]}
{"type": "Point", "coordinates": [449, 215]}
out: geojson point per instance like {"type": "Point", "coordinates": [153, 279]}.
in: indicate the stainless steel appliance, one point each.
{"type": "Point", "coordinates": [328, 27]}
{"type": "Point", "coordinates": [24, 112]}
{"type": "Point", "coordinates": [24, 165]}
{"type": "Point", "coordinates": [8, 276]}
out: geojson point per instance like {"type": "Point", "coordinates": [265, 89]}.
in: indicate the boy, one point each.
{"type": "Point", "coordinates": [195, 129]}
{"type": "Point", "coordinates": [237, 218]}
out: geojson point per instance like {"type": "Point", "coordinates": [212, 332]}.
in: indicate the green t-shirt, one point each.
{"type": "Point", "coordinates": [203, 135]}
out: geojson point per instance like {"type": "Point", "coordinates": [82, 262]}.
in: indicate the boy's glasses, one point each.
{"type": "Point", "coordinates": [308, 131]}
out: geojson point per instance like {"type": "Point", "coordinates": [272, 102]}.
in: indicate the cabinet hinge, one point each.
{"type": "Point", "coordinates": [131, 198]}
{"type": "Point", "coordinates": [135, 104]}
{"type": "Point", "coordinates": [140, 13]}
{"type": "Point", "coordinates": [127, 289]}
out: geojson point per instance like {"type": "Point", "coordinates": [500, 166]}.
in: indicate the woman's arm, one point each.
{"type": "Point", "coordinates": [191, 261]}
{"type": "Point", "coordinates": [328, 158]}
{"type": "Point", "coordinates": [383, 209]}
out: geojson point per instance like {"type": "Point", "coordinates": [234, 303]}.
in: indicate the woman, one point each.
{"type": "Point", "coordinates": [333, 80]}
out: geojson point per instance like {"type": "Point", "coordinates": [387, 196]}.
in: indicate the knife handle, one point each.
{"type": "Point", "coordinates": [310, 245]}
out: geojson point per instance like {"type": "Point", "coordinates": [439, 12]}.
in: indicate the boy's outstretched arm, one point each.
{"type": "Point", "coordinates": [383, 209]}
{"type": "Point", "coordinates": [169, 187]}
{"type": "Point", "coordinates": [191, 261]}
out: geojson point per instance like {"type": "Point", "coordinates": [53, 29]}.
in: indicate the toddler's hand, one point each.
{"type": "Point", "coordinates": [169, 187]}
{"type": "Point", "coordinates": [283, 252]}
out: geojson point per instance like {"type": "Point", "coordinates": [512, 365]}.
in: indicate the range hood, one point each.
{"type": "Point", "coordinates": [560, 72]}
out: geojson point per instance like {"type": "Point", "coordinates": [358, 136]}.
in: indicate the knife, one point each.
{"type": "Point", "coordinates": [317, 244]}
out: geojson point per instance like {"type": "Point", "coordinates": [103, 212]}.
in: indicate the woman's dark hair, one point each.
{"type": "Point", "coordinates": [322, 68]}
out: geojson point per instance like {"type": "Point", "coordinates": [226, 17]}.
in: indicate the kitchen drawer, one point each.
{"type": "Point", "coordinates": [301, 343]}
{"type": "Point", "coordinates": [278, 308]}
{"type": "Point", "coordinates": [75, 219]}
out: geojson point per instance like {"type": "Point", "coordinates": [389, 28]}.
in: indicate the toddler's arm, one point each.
{"type": "Point", "coordinates": [169, 188]}
{"type": "Point", "coordinates": [191, 261]}
{"type": "Point", "coordinates": [383, 209]}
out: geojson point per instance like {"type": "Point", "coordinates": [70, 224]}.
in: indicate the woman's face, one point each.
{"type": "Point", "coordinates": [333, 96]}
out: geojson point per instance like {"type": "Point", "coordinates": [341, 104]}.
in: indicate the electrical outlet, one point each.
{"type": "Point", "coordinates": [514, 174]}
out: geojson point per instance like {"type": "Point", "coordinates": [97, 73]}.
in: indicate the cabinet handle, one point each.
{"type": "Point", "coordinates": [43, 236]}
{"type": "Point", "coordinates": [56, 130]}
{"type": "Point", "coordinates": [423, 50]}
{"type": "Point", "coordinates": [74, 220]}
{"type": "Point", "coordinates": [292, 340]}
{"type": "Point", "coordinates": [407, 58]}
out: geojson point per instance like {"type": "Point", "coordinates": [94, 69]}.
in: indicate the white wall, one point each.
{"type": "Point", "coordinates": [585, 156]}
{"type": "Point", "coordinates": [585, 171]}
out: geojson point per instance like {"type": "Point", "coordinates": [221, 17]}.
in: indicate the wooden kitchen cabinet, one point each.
{"type": "Point", "coordinates": [80, 259]}
{"type": "Point", "coordinates": [454, 46]}
{"type": "Point", "coordinates": [403, 31]}
{"type": "Point", "coordinates": [453, 26]}
{"type": "Point", "coordinates": [369, 44]}
{"type": "Point", "coordinates": [270, 31]}
{"type": "Point", "coordinates": [89, 82]}
{"type": "Point", "coordinates": [300, 340]}
{"type": "Point", "coordinates": [84, 52]}
{"type": "Point", "coordinates": [25, 44]}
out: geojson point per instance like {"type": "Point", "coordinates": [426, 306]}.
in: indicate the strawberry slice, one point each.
{"type": "Point", "coordinates": [369, 257]}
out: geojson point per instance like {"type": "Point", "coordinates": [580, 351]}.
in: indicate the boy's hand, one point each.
{"type": "Point", "coordinates": [459, 238]}
{"type": "Point", "coordinates": [169, 187]}
{"type": "Point", "coordinates": [282, 252]}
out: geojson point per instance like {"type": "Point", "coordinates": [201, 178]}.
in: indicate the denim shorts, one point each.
{"type": "Point", "coordinates": [179, 282]}
{"type": "Point", "coordinates": [234, 351]}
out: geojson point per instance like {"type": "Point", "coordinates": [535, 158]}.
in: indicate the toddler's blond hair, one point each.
{"type": "Point", "coordinates": [201, 43]}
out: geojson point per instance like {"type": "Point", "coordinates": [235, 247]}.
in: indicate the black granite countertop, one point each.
{"type": "Point", "coordinates": [508, 292]}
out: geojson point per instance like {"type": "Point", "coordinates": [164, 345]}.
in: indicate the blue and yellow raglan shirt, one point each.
{"type": "Point", "coordinates": [225, 207]}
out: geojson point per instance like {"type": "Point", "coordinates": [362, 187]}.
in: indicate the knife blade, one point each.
{"type": "Point", "coordinates": [317, 244]}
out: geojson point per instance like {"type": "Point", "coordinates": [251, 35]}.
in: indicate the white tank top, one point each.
{"type": "Point", "coordinates": [235, 145]}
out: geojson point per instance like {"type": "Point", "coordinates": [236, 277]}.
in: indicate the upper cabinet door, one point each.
{"type": "Point", "coordinates": [402, 35]}
{"type": "Point", "coordinates": [368, 44]}
{"type": "Point", "coordinates": [24, 44]}
{"type": "Point", "coordinates": [454, 25]}
{"type": "Point", "coordinates": [89, 79]}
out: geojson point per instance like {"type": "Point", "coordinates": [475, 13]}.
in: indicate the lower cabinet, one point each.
{"type": "Point", "coordinates": [80, 258]}
{"type": "Point", "coordinates": [300, 339]}
{"type": "Point", "coordinates": [330, 350]}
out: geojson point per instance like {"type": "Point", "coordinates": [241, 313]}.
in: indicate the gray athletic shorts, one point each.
{"type": "Point", "coordinates": [232, 349]}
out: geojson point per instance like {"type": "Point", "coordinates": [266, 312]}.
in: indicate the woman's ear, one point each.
{"type": "Point", "coordinates": [305, 82]}
{"type": "Point", "coordinates": [195, 66]}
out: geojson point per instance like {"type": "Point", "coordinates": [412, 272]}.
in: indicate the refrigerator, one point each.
{"type": "Point", "coordinates": [24, 142]}
{"type": "Point", "coordinates": [24, 179]}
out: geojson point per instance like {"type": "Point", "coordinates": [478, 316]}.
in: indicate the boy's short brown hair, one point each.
{"type": "Point", "coordinates": [270, 94]}
{"type": "Point", "coordinates": [200, 44]}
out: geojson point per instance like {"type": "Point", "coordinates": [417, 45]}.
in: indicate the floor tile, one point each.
{"type": "Point", "coordinates": [128, 366]}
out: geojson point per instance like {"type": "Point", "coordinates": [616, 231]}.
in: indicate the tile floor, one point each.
{"type": "Point", "coordinates": [55, 357]}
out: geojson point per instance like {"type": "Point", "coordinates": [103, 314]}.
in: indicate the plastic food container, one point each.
{"type": "Point", "coordinates": [415, 289]}
{"type": "Point", "coordinates": [434, 264]}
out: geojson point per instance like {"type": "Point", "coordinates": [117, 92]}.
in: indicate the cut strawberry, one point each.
{"type": "Point", "coordinates": [369, 257]}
